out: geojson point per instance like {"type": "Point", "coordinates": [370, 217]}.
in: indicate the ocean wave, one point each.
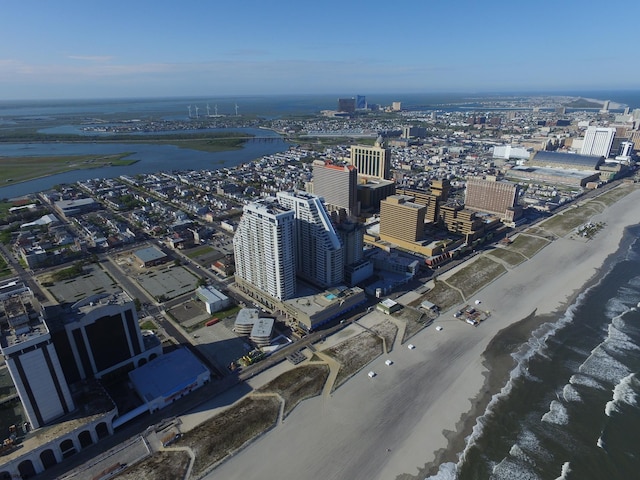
{"type": "Point", "coordinates": [586, 381]}
{"type": "Point", "coordinates": [508, 469]}
{"type": "Point", "coordinates": [570, 394]}
{"type": "Point", "coordinates": [536, 343]}
{"type": "Point", "coordinates": [566, 470]}
{"type": "Point", "coordinates": [623, 393]}
{"type": "Point", "coordinates": [531, 443]}
{"type": "Point", "coordinates": [618, 339]}
{"type": "Point", "coordinates": [635, 282]}
{"type": "Point", "coordinates": [618, 305]}
{"type": "Point", "coordinates": [557, 413]}
{"type": "Point", "coordinates": [518, 453]}
{"type": "Point", "coordinates": [446, 471]}
{"type": "Point", "coordinates": [603, 366]}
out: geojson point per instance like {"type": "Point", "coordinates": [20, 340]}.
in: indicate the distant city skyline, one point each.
{"type": "Point", "coordinates": [72, 49]}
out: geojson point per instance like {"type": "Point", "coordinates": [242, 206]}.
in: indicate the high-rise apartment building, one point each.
{"type": "Point", "coordinates": [372, 161]}
{"type": "Point", "coordinates": [491, 196]}
{"type": "Point", "coordinates": [264, 248]}
{"type": "Point", "coordinates": [338, 185]}
{"type": "Point", "coordinates": [401, 219]}
{"type": "Point", "coordinates": [318, 251]}
{"type": "Point", "coordinates": [598, 141]}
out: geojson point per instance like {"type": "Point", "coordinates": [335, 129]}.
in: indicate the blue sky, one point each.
{"type": "Point", "coordinates": [87, 49]}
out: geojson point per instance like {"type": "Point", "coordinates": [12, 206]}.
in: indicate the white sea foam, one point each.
{"type": "Point", "coordinates": [585, 380]}
{"type": "Point", "coordinates": [529, 442]}
{"type": "Point", "coordinates": [447, 471]}
{"type": "Point", "coordinates": [518, 453]}
{"type": "Point", "coordinates": [622, 393]}
{"type": "Point", "coordinates": [566, 470]}
{"type": "Point", "coordinates": [617, 306]}
{"type": "Point", "coordinates": [618, 339]}
{"type": "Point", "coordinates": [508, 469]}
{"type": "Point", "coordinates": [603, 366]}
{"type": "Point", "coordinates": [570, 394]}
{"type": "Point", "coordinates": [635, 282]}
{"type": "Point", "coordinates": [600, 442]}
{"type": "Point", "coordinates": [536, 343]}
{"type": "Point", "coordinates": [557, 414]}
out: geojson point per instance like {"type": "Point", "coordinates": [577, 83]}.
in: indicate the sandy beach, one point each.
{"type": "Point", "coordinates": [395, 423]}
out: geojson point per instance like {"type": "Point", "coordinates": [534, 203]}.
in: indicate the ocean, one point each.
{"type": "Point", "coordinates": [570, 408]}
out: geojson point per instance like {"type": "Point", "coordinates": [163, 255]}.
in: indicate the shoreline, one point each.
{"type": "Point", "coordinates": [418, 413]}
{"type": "Point", "coordinates": [499, 363]}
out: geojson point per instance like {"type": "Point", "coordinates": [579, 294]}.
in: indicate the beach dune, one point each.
{"type": "Point", "coordinates": [382, 427]}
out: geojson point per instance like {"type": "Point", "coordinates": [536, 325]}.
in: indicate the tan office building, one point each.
{"type": "Point", "coordinates": [401, 219]}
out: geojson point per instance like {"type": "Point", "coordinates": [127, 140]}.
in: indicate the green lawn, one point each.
{"type": "Point", "coordinates": [5, 271]}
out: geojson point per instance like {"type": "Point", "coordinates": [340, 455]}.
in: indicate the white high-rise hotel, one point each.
{"type": "Point", "coordinates": [598, 141]}
{"type": "Point", "coordinates": [278, 238]}
{"type": "Point", "coordinates": [263, 248]}
{"type": "Point", "coordinates": [317, 246]}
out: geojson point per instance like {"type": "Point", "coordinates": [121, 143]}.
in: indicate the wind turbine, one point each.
{"type": "Point", "coordinates": [215, 109]}
{"type": "Point", "coordinates": [208, 112]}
{"type": "Point", "coordinates": [236, 109]}
{"type": "Point", "coordinates": [197, 111]}
{"type": "Point", "coordinates": [189, 107]}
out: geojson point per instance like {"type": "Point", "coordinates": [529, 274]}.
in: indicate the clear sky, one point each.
{"type": "Point", "coordinates": [94, 49]}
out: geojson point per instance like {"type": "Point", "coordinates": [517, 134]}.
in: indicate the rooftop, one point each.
{"type": "Point", "coordinates": [166, 374]}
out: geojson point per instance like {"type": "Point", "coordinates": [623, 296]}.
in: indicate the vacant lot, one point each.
{"type": "Point", "coordinates": [476, 275]}
{"type": "Point", "coordinates": [227, 432]}
{"type": "Point", "coordinates": [298, 384]}
{"type": "Point", "coordinates": [615, 194]}
{"type": "Point", "coordinates": [388, 331]}
{"type": "Point", "coordinates": [442, 295]}
{"type": "Point", "coordinates": [353, 354]}
{"type": "Point", "coordinates": [527, 245]}
{"type": "Point", "coordinates": [564, 223]}
{"type": "Point", "coordinates": [172, 464]}
{"type": "Point", "coordinates": [507, 256]}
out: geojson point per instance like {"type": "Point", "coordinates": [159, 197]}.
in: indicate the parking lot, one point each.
{"type": "Point", "coordinates": [93, 281]}
{"type": "Point", "coordinates": [220, 344]}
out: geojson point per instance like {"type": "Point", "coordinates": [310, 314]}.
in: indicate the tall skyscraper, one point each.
{"type": "Point", "coordinates": [372, 161]}
{"type": "Point", "coordinates": [491, 196]}
{"type": "Point", "coordinates": [598, 141]}
{"type": "Point", "coordinates": [318, 251]}
{"type": "Point", "coordinates": [264, 248]}
{"type": "Point", "coordinates": [361, 102]}
{"type": "Point", "coordinates": [347, 105]}
{"type": "Point", "coordinates": [338, 185]}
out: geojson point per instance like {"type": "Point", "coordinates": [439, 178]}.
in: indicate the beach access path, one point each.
{"type": "Point", "coordinates": [381, 427]}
